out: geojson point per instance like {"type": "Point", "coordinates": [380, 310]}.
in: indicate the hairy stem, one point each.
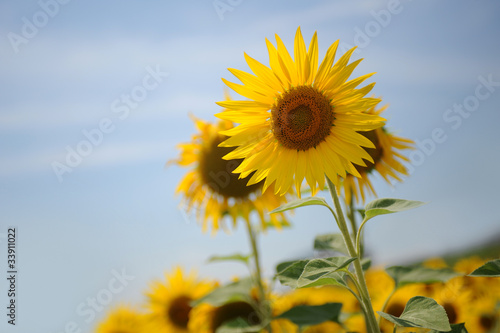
{"type": "Point", "coordinates": [371, 320]}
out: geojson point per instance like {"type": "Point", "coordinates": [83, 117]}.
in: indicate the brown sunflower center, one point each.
{"type": "Point", "coordinates": [233, 311]}
{"type": "Point", "coordinates": [376, 153]}
{"type": "Point", "coordinates": [178, 312]}
{"type": "Point", "coordinates": [396, 309]}
{"type": "Point", "coordinates": [451, 312]}
{"type": "Point", "coordinates": [302, 117]}
{"type": "Point", "coordinates": [218, 174]}
{"type": "Point", "coordinates": [487, 321]}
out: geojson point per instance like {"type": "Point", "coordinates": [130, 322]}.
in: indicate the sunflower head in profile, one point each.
{"type": "Point", "coordinates": [213, 191]}
{"type": "Point", "coordinates": [387, 161]}
{"type": "Point", "coordinates": [301, 120]}
{"type": "Point", "coordinates": [169, 301]}
{"type": "Point", "coordinates": [122, 319]}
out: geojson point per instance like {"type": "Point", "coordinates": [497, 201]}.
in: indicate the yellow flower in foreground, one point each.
{"type": "Point", "coordinates": [213, 190]}
{"type": "Point", "coordinates": [169, 301]}
{"type": "Point", "coordinates": [387, 161]}
{"type": "Point", "coordinates": [124, 320]}
{"type": "Point", "coordinates": [302, 120]}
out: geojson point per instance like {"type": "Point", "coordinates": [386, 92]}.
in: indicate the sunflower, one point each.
{"type": "Point", "coordinates": [302, 121]}
{"type": "Point", "coordinates": [468, 264]}
{"type": "Point", "coordinates": [169, 301]}
{"type": "Point", "coordinates": [483, 316]}
{"type": "Point", "coordinates": [206, 318]}
{"type": "Point", "coordinates": [211, 188]}
{"type": "Point", "coordinates": [455, 299]}
{"type": "Point", "coordinates": [396, 306]}
{"type": "Point", "coordinates": [435, 263]}
{"type": "Point", "coordinates": [122, 319]}
{"type": "Point", "coordinates": [386, 161]}
{"type": "Point", "coordinates": [480, 285]}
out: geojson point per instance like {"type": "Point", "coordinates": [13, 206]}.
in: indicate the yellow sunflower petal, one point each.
{"type": "Point", "coordinates": [264, 73]}
{"type": "Point", "coordinates": [286, 62]}
{"type": "Point", "coordinates": [312, 55]}
{"type": "Point", "coordinates": [300, 56]}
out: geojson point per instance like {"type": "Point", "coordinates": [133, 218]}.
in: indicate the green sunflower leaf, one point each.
{"type": "Point", "coordinates": [490, 269]}
{"type": "Point", "coordinates": [455, 328]}
{"type": "Point", "coordinates": [330, 242]}
{"type": "Point", "coordinates": [231, 292]}
{"type": "Point", "coordinates": [404, 275]}
{"type": "Point", "coordinates": [231, 257]}
{"type": "Point", "coordinates": [324, 271]}
{"type": "Point", "coordinates": [290, 271]}
{"type": "Point", "coordinates": [300, 203]}
{"type": "Point", "coordinates": [307, 315]}
{"type": "Point", "coordinates": [366, 263]}
{"type": "Point", "coordinates": [314, 272]}
{"type": "Point", "coordinates": [421, 312]}
{"type": "Point", "coordinates": [389, 206]}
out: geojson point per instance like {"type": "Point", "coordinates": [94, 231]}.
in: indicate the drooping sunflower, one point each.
{"type": "Point", "coordinates": [301, 120]}
{"type": "Point", "coordinates": [169, 301]}
{"type": "Point", "coordinates": [211, 188]}
{"type": "Point", "coordinates": [387, 161]}
{"type": "Point", "coordinates": [122, 319]}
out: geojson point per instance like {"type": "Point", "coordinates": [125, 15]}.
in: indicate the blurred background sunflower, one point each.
{"type": "Point", "coordinates": [169, 301]}
{"type": "Point", "coordinates": [213, 191]}
{"type": "Point", "coordinates": [387, 162]}
{"type": "Point", "coordinates": [206, 318]}
{"type": "Point", "coordinates": [122, 319]}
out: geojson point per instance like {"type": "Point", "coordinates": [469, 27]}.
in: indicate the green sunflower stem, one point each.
{"type": "Point", "coordinates": [352, 217]}
{"type": "Point", "coordinates": [371, 321]}
{"type": "Point", "coordinates": [264, 306]}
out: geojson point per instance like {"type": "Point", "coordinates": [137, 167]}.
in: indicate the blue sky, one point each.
{"type": "Point", "coordinates": [116, 213]}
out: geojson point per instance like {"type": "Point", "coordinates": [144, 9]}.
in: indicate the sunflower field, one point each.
{"type": "Point", "coordinates": [303, 128]}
